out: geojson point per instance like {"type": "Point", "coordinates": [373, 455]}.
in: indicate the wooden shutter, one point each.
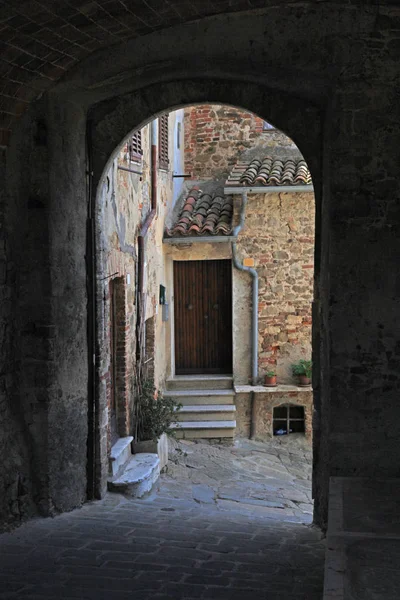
{"type": "Point", "coordinates": [163, 160]}
{"type": "Point", "coordinates": [135, 146]}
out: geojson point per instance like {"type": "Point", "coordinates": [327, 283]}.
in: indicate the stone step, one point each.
{"type": "Point", "coordinates": [204, 429]}
{"type": "Point", "coordinates": [137, 477]}
{"type": "Point", "coordinates": [120, 454]}
{"type": "Point", "coordinates": [202, 382]}
{"type": "Point", "coordinates": [206, 412]}
{"type": "Point", "coordinates": [202, 397]}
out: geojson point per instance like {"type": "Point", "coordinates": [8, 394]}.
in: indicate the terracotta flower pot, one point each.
{"type": "Point", "coordinates": [270, 381]}
{"type": "Point", "coordinates": [303, 380]}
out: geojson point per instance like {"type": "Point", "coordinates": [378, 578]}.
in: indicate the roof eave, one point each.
{"type": "Point", "coordinates": [212, 239]}
{"type": "Point", "coordinates": [264, 189]}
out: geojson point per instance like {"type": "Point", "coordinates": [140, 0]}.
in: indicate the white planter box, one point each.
{"type": "Point", "coordinates": [159, 447]}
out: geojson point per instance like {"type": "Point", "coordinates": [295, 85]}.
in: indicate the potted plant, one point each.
{"type": "Point", "coordinates": [302, 370]}
{"type": "Point", "coordinates": [154, 417]}
{"type": "Point", "coordinates": [270, 379]}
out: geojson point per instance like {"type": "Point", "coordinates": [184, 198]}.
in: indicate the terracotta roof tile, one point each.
{"type": "Point", "coordinates": [269, 171]}
{"type": "Point", "coordinates": [204, 214]}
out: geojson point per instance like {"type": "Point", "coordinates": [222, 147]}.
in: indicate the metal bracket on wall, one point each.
{"type": "Point", "coordinates": [130, 170]}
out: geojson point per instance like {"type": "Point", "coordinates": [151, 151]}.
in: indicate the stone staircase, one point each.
{"type": "Point", "coordinates": [132, 474]}
{"type": "Point", "coordinates": [208, 406]}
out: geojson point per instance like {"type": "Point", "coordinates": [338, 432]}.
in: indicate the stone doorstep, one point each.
{"type": "Point", "coordinates": [204, 425]}
{"type": "Point", "coordinates": [190, 382]}
{"type": "Point", "coordinates": [194, 392]}
{"type": "Point", "coordinates": [202, 397]}
{"type": "Point", "coordinates": [206, 412]}
{"type": "Point", "coordinates": [201, 408]}
{"type": "Point", "coordinates": [120, 454]}
{"type": "Point", "coordinates": [138, 477]}
{"type": "Point", "coordinates": [204, 429]}
{"type": "Point", "coordinates": [202, 434]}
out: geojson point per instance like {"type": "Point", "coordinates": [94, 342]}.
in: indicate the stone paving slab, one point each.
{"type": "Point", "coordinates": [114, 550]}
{"type": "Point", "coordinates": [186, 547]}
{"type": "Point", "coordinates": [265, 476]}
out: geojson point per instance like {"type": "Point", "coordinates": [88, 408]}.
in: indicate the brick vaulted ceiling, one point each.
{"type": "Point", "coordinates": [40, 40]}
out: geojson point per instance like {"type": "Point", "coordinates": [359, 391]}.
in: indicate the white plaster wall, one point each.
{"type": "Point", "coordinates": [178, 144]}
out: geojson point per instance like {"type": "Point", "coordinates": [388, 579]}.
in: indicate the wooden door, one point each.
{"type": "Point", "coordinates": [203, 316]}
{"type": "Point", "coordinates": [113, 359]}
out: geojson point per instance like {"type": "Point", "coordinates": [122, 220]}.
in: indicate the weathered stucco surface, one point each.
{"type": "Point", "coordinates": [123, 206]}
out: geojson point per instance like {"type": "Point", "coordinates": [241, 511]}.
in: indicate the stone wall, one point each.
{"type": "Point", "coordinates": [279, 235]}
{"type": "Point", "coordinates": [17, 492]}
{"type": "Point", "coordinates": [216, 136]}
{"type": "Point", "coordinates": [125, 202]}
{"type": "Point", "coordinates": [265, 402]}
{"type": "Point", "coordinates": [327, 74]}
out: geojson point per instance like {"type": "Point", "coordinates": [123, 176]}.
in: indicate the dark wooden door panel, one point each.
{"type": "Point", "coordinates": [113, 358]}
{"type": "Point", "coordinates": [203, 316]}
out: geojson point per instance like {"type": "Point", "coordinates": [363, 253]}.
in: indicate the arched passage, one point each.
{"type": "Point", "coordinates": [110, 122]}
{"type": "Point", "coordinates": [313, 86]}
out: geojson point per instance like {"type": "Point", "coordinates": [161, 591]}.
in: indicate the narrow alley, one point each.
{"type": "Point", "coordinates": [224, 522]}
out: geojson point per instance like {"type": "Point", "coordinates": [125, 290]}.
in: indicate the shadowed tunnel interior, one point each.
{"type": "Point", "coordinates": [324, 73]}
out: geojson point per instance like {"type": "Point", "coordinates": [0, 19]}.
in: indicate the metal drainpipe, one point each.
{"type": "Point", "coordinates": [143, 233]}
{"type": "Point", "coordinates": [92, 442]}
{"type": "Point", "coordinates": [254, 319]}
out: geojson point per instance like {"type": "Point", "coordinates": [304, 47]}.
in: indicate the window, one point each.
{"type": "Point", "coordinates": [135, 151]}
{"type": "Point", "coordinates": [288, 419]}
{"type": "Point", "coordinates": [163, 160]}
{"type": "Point", "coordinates": [178, 135]}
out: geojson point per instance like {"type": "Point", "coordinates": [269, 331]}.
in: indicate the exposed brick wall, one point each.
{"type": "Point", "coordinates": [150, 347]}
{"type": "Point", "coordinates": [215, 136]}
{"type": "Point", "coordinates": [123, 366]}
{"type": "Point", "coordinates": [279, 235]}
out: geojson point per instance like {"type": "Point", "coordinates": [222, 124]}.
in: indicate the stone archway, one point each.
{"type": "Point", "coordinates": [111, 121]}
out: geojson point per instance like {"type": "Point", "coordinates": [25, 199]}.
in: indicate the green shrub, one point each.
{"type": "Point", "coordinates": [154, 413]}
{"type": "Point", "coordinates": [303, 367]}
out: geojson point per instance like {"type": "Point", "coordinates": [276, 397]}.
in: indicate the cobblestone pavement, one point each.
{"type": "Point", "coordinates": [194, 546]}
{"type": "Point", "coordinates": [269, 480]}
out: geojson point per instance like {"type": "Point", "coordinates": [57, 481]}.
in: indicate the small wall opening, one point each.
{"type": "Point", "coordinates": [287, 419]}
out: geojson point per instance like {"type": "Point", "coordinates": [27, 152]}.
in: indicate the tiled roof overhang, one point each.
{"type": "Point", "coordinates": [270, 173]}
{"type": "Point", "coordinates": [203, 214]}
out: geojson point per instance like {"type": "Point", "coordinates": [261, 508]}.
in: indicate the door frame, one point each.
{"type": "Point", "coordinates": [170, 270]}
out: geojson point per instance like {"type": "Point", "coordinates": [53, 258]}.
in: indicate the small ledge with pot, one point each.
{"type": "Point", "coordinates": [280, 388]}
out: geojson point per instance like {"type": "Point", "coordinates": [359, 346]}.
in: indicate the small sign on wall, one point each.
{"type": "Point", "coordinates": [162, 299]}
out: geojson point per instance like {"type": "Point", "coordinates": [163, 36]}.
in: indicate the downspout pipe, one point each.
{"type": "Point", "coordinates": [254, 319]}
{"type": "Point", "coordinates": [92, 442]}
{"type": "Point", "coordinates": [143, 233]}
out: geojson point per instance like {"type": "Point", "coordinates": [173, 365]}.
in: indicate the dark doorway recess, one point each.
{"type": "Point", "coordinates": [113, 359]}
{"type": "Point", "coordinates": [203, 317]}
